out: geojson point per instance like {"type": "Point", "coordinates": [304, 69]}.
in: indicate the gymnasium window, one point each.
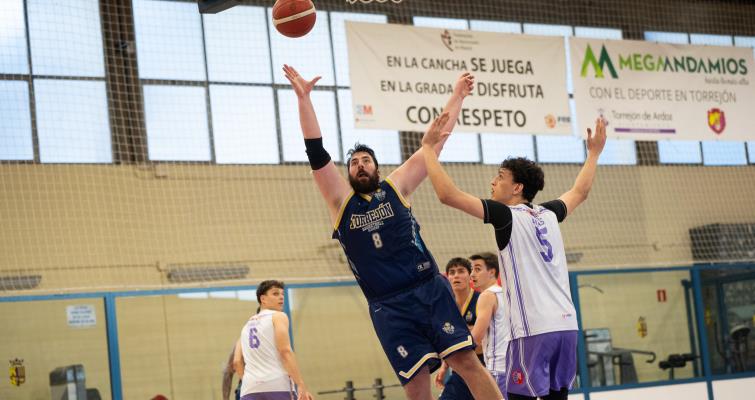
{"type": "Point", "coordinates": [15, 114]}
{"type": "Point", "coordinates": [676, 151]}
{"type": "Point", "coordinates": [237, 47]}
{"type": "Point", "coordinates": [176, 118]}
{"type": "Point", "coordinates": [461, 146]}
{"type": "Point", "coordinates": [720, 152]}
{"type": "Point", "coordinates": [243, 114]}
{"type": "Point", "coordinates": [172, 69]}
{"type": "Point", "coordinates": [189, 64]}
{"type": "Point", "coordinates": [169, 41]}
{"type": "Point", "coordinates": [386, 143]}
{"type": "Point", "coordinates": [747, 41]}
{"type": "Point", "coordinates": [236, 129]}
{"type": "Point", "coordinates": [293, 145]}
{"type": "Point", "coordinates": [68, 79]}
{"type": "Point", "coordinates": [15, 121]}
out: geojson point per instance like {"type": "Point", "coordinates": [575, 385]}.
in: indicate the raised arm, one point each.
{"type": "Point", "coordinates": [332, 185]}
{"type": "Point", "coordinates": [411, 173]}
{"type": "Point", "coordinates": [288, 359]}
{"type": "Point", "coordinates": [486, 305]}
{"type": "Point", "coordinates": [582, 185]}
{"type": "Point", "coordinates": [445, 188]}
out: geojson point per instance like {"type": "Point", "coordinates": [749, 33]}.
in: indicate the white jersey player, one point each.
{"type": "Point", "coordinates": [492, 325]}
{"type": "Point", "coordinates": [541, 357]}
{"type": "Point", "coordinates": [264, 351]}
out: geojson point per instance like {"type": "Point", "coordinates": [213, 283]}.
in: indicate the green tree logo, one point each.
{"type": "Point", "coordinates": [597, 65]}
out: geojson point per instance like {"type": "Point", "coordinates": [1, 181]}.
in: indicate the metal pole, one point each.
{"type": "Point", "coordinates": [349, 389]}
{"type": "Point", "coordinates": [379, 389]}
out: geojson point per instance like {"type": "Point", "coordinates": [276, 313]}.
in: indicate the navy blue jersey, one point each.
{"type": "Point", "coordinates": [469, 312]}
{"type": "Point", "coordinates": [382, 243]}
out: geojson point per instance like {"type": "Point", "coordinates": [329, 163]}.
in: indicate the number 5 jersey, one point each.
{"type": "Point", "coordinates": [533, 267]}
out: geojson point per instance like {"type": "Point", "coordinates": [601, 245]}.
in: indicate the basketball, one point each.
{"type": "Point", "coordinates": [294, 18]}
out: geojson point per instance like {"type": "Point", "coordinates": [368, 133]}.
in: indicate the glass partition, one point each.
{"type": "Point", "coordinates": [53, 347]}
{"type": "Point", "coordinates": [177, 345]}
{"type": "Point", "coordinates": [729, 309]}
{"type": "Point", "coordinates": [335, 342]}
{"type": "Point", "coordinates": [639, 327]}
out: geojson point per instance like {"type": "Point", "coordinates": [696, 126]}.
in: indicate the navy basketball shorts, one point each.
{"type": "Point", "coordinates": [456, 389]}
{"type": "Point", "coordinates": [420, 326]}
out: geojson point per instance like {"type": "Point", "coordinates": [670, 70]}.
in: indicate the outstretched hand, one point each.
{"type": "Point", "coordinates": [304, 395]}
{"type": "Point", "coordinates": [301, 86]}
{"type": "Point", "coordinates": [596, 141]}
{"type": "Point", "coordinates": [434, 133]}
{"type": "Point", "coordinates": [464, 85]}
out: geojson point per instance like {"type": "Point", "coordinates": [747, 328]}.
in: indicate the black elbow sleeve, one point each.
{"type": "Point", "coordinates": [316, 153]}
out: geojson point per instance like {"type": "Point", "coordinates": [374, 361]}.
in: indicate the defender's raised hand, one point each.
{"type": "Point", "coordinates": [301, 86]}
{"type": "Point", "coordinates": [596, 141]}
{"type": "Point", "coordinates": [464, 85]}
{"type": "Point", "coordinates": [434, 133]}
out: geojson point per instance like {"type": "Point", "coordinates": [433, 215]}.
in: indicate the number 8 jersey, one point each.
{"type": "Point", "coordinates": [263, 371]}
{"type": "Point", "coordinates": [533, 266]}
{"type": "Point", "coordinates": [382, 243]}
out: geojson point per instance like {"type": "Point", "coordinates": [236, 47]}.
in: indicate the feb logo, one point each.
{"type": "Point", "coordinates": [550, 121]}
{"type": "Point", "coordinates": [716, 120]}
{"type": "Point", "coordinates": [517, 377]}
{"type": "Point", "coordinates": [446, 38]}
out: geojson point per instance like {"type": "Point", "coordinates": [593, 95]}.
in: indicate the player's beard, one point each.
{"type": "Point", "coordinates": [367, 187]}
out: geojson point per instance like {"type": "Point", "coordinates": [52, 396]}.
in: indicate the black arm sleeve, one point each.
{"type": "Point", "coordinates": [316, 153]}
{"type": "Point", "coordinates": [558, 207]}
{"type": "Point", "coordinates": [498, 215]}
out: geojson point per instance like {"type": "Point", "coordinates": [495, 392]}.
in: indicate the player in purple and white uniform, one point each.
{"type": "Point", "coordinates": [269, 365]}
{"type": "Point", "coordinates": [541, 357]}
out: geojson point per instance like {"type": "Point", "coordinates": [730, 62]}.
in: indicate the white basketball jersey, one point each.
{"type": "Point", "coordinates": [497, 338]}
{"type": "Point", "coordinates": [535, 276]}
{"type": "Point", "coordinates": [262, 364]}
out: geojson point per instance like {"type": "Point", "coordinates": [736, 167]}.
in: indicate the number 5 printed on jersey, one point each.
{"type": "Point", "coordinates": [547, 254]}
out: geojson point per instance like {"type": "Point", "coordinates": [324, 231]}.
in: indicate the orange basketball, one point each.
{"type": "Point", "coordinates": [294, 18]}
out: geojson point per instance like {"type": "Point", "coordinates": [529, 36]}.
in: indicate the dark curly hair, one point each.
{"type": "Point", "coordinates": [359, 148]}
{"type": "Point", "coordinates": [526, 172]}
{"type": "Point", "coordinates": [459, 262]}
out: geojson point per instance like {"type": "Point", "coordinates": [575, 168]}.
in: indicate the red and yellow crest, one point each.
{"type": "Point", "coordinates": [716, 120]}
{"type": "Point", "coordinates": [17, 372]}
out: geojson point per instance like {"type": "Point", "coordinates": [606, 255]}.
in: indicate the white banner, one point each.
{"type": "Point", "coordinates": [402, 77]}
{"type": "Point", "coordinates": [653, 91]}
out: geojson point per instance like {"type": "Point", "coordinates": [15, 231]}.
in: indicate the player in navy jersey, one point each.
{"type": "Point", "coordinates": [541, 356]}
{"type": "Point", "coordinates": [410, 303]}
{"type": "Point", "coordinates": [458, 271]}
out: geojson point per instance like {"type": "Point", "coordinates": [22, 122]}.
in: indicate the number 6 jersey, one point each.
{"type": "Point", "coordinates": [262, 365]}
{"type": "Point", "coordinates": [533, 266]}
{"type": "Point", "coordinates": [382, 243]}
